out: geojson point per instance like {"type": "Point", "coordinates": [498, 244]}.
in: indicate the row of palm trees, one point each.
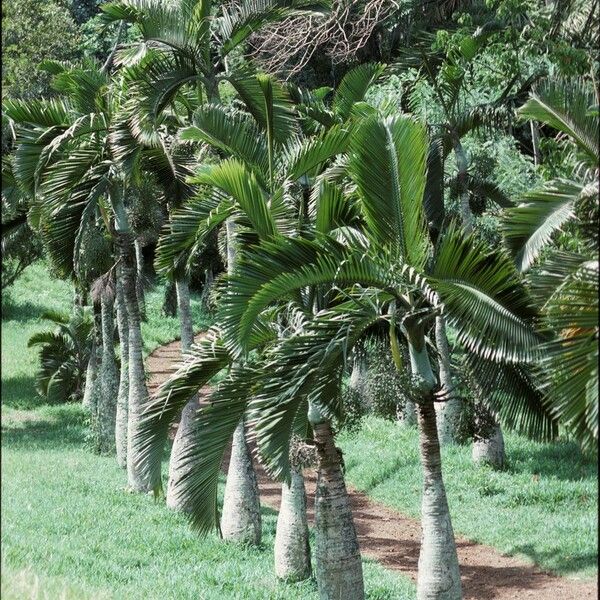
{"type": "Point", "coordinates": [327, 204]}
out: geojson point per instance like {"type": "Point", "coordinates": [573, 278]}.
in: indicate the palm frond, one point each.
{"type": "Point", "coordinates": [205, 360]}
{"type": "Point", "coordinates": [388, 163]}
{"type": "Point", "coordinates": [563, 104]}
{"type": "Point", "coordinates": [529, 226]}
{"type": "Point", "coordinates": [353, 87]}
{"type": "Point", "coordinates": [484, 298]}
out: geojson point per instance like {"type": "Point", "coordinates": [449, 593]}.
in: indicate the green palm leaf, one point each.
{"type": "Point", "coordinates": [353, 87]}
{"type": "Point", "coordinates": [387, 163]}
{"type": "Point", "coordinates": [529, 226]}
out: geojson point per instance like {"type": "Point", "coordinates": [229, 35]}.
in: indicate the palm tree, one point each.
{"type": "Point", "coordinates": [183, 57]}
{"type": "Point", "coordinates": [73, 152]}
{"type": "Point", "coordinates": [395, 276]}
{"type": "Point", "coordinates": [565, 282]}
{"type": "Point", "coordinates": [459, 118]}
{"type": "Point", "coordinates": [103, 294]}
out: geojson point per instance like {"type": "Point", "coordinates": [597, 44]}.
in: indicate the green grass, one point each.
{"type": "Point", "coordinates": [543, 506]}
{"type": "Point", "coordinates": [69, 530]}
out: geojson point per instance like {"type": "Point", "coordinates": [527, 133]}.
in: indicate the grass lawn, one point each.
{"type": "Point", "coordinates": [68, 528]}
{"type": "Point", "coordinates": [543, 506]}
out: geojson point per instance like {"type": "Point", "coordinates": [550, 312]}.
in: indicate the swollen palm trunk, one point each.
{"type": "Point", "coordinates": [338, 564]}
{"type": "Point", "coordinates": [185, 430]}
{"type": "Point", "coordinates": [107, 401]}
{"type": "Point", "coordinates": [292, 550]}
{"type": "Point", "coordinates": [122, 397]}
{"type": "Point", "coordinates": [137, 475]}
{"type": "Point", "coordinates": [439, 575]}
{"type": "Point", "coordinates": [241, 521]}
{"type": "Point", "coordinates": [488, 442]}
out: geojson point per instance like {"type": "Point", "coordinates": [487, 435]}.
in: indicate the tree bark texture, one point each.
{"type": "Point", "coordinates": [448, 412]}
{"type": "Point", "coordinates": [138, 390]}
{"type": "Point", "coordinates": [439, 574]}
{"type": "Point", "coordinates": [488, 444]}
{"type": "Point", "coordinates": [89, 401]}
{"type": "Point", "coordinates": [139, 279]}
{"type": "Point", "coordinates": [169, 306]}
{"type": "Point", "coordinates": [185, 430]}
{"type": "Point", "coordinates": [466, 214]}
{"type": "Point", "coordinates": [123, 395]}
{"type": "Point", "coordinates": [109, 386]}
{"type": "Point", "coordinates": [241, 520]}
{"type": "Point", "coordinates": [292, 550]}
{"type": "Point", "coordinates": [338, 565]}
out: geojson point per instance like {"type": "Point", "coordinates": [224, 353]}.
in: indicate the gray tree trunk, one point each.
{"type": "Point", "coordinates": [407, 416]}
{"type": "Point", "coordinates": [139, 279]}
{"type": "Point", "coordinates": [241, 521]}
{"type": "Point", "coordinates": [89, 401]}
{"type": "Point", "coordinates": [292, 550]}
{"type": "Point", "coordinates": [448, 412]}
{"type": "Point", "coordinates": [137, 475]}
{"type": "Point", "coordinates": [185, 430]}
{"type": "Point", "coordinates": [123, 395]}
{"type": "Point", "coordinates": [359, 379]}
{"type": "Point", "coordinates": [488, 447]}
{"type": "Point", "coordinates": [338, 565]}
{"type": "Point", "coordinates": [461, 162]}
{"type": "Point", "coordinates": [206, 289]}
{"type": "Point", "coordinates": [109, 386]}
{"type": "Point", "coordinates": [439, 575]}
{"type": "Point", "coordinates": [169, 305]}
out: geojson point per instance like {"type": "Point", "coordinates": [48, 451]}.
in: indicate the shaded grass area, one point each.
{"type": "Point", "coordinates": [69, 529]}
{"type": "Point", "coordinates": [543, 506]}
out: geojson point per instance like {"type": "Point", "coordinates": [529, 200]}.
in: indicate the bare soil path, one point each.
{"type": "Point", "coordinates": [394, 539]}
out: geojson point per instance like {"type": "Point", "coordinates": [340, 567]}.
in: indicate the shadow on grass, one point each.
{"type": "Point", "coordinates": [19, 310]}
{"type": "Point", "coordinates": [564, 565]}
{"type": "Point", "coordinates": [562, 460]}
{"type": "Point", "coordinates": [52, 428]}
{"type": "Point", "coordinates": [20, 393]}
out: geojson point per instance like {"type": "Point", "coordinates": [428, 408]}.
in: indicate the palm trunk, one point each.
{"type": "Point", "coordinates": [241, 505]}
{"type": "Point", "coordinates": [206, 289]}
{"type": "Point", "coordinates": [122, 398]}
{"type": "Point", "coordinates": [488, 441]}
{"type": "Point", "coordinates": [241, 521]}
{"type": "Point", "coordinates": [185, 430]}
{"type": "Point", "coordinates": [358, 378]}
{"type": "Point", "coordinates": [448, 412]}
{"type": "Point", "coordinates": [292, 550]}
{"type": "Point", "coordinates": [137, 476]}
{"type": "Point", "coordinates": [107, 401]}
{"type": "Point", "coordinates": [88, 402]}
{"type": "Point", "coordinates": [139, 280]}
{"type": "Point", "coordinates": [535, 143]}
{"type": "Point", "coordinates": [461, 162]}
{"type": "Point", "coordinates": [338, 565]}
{"type": "Point", "coordinates": [439, 574]}
{"type": "Point", "coordinates": [169, 305]}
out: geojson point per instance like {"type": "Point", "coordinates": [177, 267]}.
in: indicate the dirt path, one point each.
{"type": "Point", "coordinates": [393, 539]}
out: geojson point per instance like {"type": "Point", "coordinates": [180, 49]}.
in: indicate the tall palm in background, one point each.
{"type": "Point", "coordinates": [565, 280]}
